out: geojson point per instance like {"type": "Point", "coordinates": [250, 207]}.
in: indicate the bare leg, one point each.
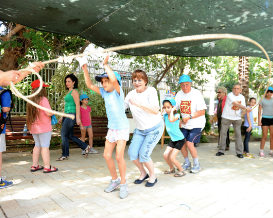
{"type": "Point", "coordinates": [141, 168]}
{"type": "Point", "coordinates": [174, 161]}
{"type": "Point", "coordinates": [184, 151]}
{"type": "Point", "coordinates": [121, 144]}
{"type": "Point", "coordinates": [167, 157]}
{"type": "Point", "coordinates": [108, 151]}
{"type": "Point", "coordinates": [264, 136]}
{"type": "Point", "coordinates": [192, 149]}
{"type": "Point", "coordinates": [35, 156]}
{"type": "Point", "coordinates": [150, 166]}
{"type": "Point", "coordinates": [83, 134]}
{"type": "Point", "coordinates": [90, 135]}
{"type": "Point", "coordinates": [271, 137]}
{"type": "Point", "coordinates": [46, 156]}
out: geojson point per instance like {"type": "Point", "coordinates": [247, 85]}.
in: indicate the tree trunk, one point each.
{"type": "Point", "coordinates": [244, 76]}
{"type": "Point", "coordinates": [165, 71]}
{"type": "Point", "coordinates": [12, 54]}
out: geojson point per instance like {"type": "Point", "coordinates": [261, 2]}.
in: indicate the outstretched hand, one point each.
{"type": "Point", "coordinates": [106, 60]}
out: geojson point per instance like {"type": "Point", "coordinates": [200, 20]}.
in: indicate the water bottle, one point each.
{"type": "Point", "coordinates": [25, 130]}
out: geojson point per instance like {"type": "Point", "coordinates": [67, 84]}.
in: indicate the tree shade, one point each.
{"type": "Point", "coordinates": [110, 23]}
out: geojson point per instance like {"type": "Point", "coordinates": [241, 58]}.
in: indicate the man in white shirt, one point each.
{"type": "Point", "coordinates": [192, 107]}
{"type": "Point", "coordinates": [235, 103]}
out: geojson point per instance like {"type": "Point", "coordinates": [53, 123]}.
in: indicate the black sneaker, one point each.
{"type": "Point", "coordinates": [240, 156]}
{"type": "Point", "coordinates": [219, 153]}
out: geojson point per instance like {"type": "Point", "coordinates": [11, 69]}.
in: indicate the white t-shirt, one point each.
{"type": "Point", "coordinates": [189, 103]}
{"type": "Point", "coordinates": [144, 120]}
{"type": "Point", "coordinates": [231, 112]}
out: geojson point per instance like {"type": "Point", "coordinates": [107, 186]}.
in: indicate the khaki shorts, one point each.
{"type": "Point", "coordinates": [2, 142]}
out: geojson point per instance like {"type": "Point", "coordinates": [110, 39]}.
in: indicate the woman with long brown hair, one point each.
{"type": "Point", "coordinates": [39, 124]}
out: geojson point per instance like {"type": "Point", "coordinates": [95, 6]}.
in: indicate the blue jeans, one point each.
{"type": "Point", "coordinates": [67, 133]}
{"type": "Point", "coordinates": [246, 140]}
{"type": "Point", "coordinates": [144, 141]}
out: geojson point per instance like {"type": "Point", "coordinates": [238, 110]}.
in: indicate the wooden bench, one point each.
{"type": "Point", "coordinates": [99, 125]}
{"type": "Point", "coordinates": [163, 137]}
{"type": "Point", "coordinates": [15, 131]}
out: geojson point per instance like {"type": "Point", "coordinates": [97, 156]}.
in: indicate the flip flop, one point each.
{"type": "Point", "coordinates": [34, 169]}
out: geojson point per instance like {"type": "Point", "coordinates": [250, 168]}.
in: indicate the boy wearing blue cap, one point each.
{"type": "Point", "coordinates": [86, 126]}
{"type": "Point", "coordinates": [118, 132]}
{"type": "Point", "coordinates": [192, 107]}
{"type": "Point", "coordinates": [177, 138]}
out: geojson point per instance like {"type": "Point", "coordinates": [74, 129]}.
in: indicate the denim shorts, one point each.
{"type": "Point", "coordinates": [144, 141]}
{"type": "Point", "coordinates": [192, 135]}
{"type": "Point", "coordinates": [42, 139]}
{"type": "Point", "coordinates": [87, 127]}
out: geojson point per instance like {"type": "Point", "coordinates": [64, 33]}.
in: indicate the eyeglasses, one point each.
{"type": "Point", "coordinates": [270, 91]}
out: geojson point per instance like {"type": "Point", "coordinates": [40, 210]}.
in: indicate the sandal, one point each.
{"type": "Point", "coordinates": [179, 174]}
{"type": "Point", "coordinates": [62, 158]}
{"type": "Point", "coordinates": [34, 169]}
{"type": "Point", "coordinates": [169, 171]}
{"type": "Point", "coordinates": [50, 170]}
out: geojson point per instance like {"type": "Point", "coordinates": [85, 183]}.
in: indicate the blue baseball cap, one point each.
{"type": "Point", "coordinates": [184, 78]}
{"type": "Point", "coordinates": [270, 89]}
{"type": "Point", "coordinates": [83, 96]}
{"type": "Point", "coordinates": [104, 75]}
{"type": "Point", "coordinates": [171, 100]}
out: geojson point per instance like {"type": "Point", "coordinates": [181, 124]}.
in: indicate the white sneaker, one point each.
{"type": "Point", "coordinates": [113, 185]}
{"type": "Point", "coordinates": [123, 192]}
{"type": "Point", "coordinates": [93, 151]}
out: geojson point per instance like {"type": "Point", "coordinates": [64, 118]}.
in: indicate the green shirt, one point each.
{"type": "Point", "coordinates": [70, 106]}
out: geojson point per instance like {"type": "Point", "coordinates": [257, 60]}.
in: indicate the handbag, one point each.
{"type": "Point", "coordinates": [54, 120]}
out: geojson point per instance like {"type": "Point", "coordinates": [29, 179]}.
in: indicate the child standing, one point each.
{"type": "Point", "coordinates": [39, 124]}
{"type": "Point", "coordinates": [177, 138]}
{"type": "Point", "coordinates": [118, 132]}
{"type": "Point", "coordinates": [86, 123]}
{"type": "Point", "coordinates": [248, 124]}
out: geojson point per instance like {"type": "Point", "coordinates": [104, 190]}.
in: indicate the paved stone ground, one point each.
{"type": "Point", "coordinates": [226, 187]}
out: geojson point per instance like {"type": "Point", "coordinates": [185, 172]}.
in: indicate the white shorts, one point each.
{"type": "Point", "coordinates": [42, 139]}
{"type": "Point", "coordinates": [2, 142]}
{"type": "Point", "coordinates": [113, 135]}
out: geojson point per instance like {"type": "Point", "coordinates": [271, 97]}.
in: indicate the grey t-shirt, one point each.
{"type": "Point", "coordinates": [267, 106]}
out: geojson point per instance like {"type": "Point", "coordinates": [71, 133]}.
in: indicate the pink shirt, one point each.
{"type": "Point", "coordinates": [43, 123]}
{"type": "Point", "coordinates": [85, 116]}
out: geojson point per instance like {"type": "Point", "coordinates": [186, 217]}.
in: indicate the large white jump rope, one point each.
{"type": "Point", "coordinates": [132, 46]}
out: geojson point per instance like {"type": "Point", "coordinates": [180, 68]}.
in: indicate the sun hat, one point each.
{"type": "Point", "coordinates": [83, 96]}
{"type": "Point", "coordinates": [184, 78]}
{"type": "Point", "coordinates": [171, 100]}
{"type": "Point", "coordinates": [36, 84]}
{"type": "Point", "coordinates": [104, 75]}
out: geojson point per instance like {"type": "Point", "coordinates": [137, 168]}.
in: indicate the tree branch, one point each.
{"type": "Point", "coordinates": [165, 71]}
{"type": "Point", "coordinates": [15, 30]}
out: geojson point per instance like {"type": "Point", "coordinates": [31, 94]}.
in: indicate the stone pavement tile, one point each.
{"type": "Point", "coordinates": [39, 213]}
{"type": "Point", "coordinates": [12, 208]}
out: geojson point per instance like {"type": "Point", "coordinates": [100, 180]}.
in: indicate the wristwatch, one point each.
{"type": "Point", "coordinates": [190, 116]}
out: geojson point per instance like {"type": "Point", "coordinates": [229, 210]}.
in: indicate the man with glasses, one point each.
{"type": "Point", "coordinates": [235, 103]}
{"type": "Point", "coordinates": [221, 96]}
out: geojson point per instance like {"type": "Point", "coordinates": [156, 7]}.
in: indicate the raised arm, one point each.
{"type": "Point", "coordinates": [88, 81]}
{"type": "Point", "coordinates": [111, 74]}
